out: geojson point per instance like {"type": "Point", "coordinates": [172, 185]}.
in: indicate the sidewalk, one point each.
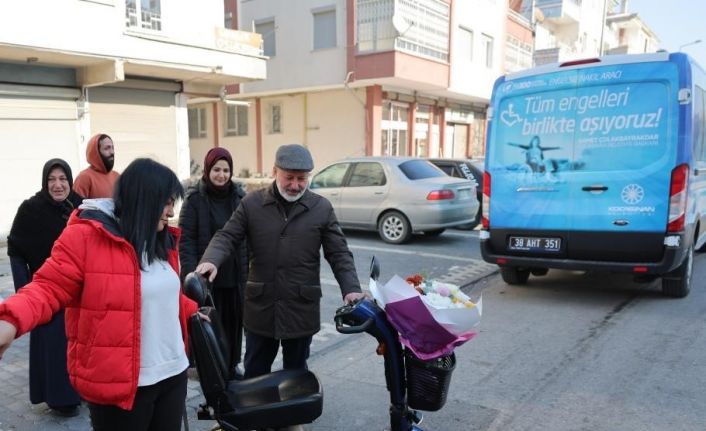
{"type": "Point", "coordinates": [18, 414]}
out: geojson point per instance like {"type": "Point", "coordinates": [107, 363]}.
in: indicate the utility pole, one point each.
{"type": "Point", "coordinates": [603, 18]}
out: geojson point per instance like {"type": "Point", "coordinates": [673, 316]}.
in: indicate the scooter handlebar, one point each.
{"type": "Point", "coordinates": [352, 329]}
{"type": "Point", "coordinates": [346, 320]}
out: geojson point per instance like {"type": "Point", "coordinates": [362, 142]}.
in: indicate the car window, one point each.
{"type": "Point", "coordinates": [330, 177]}
{"type": "Point", "coordinates": [448, 169]}
{"type": "Point", "coordinates": [367, 174]}
{"type": "Point", "coordinates": [420, 169]}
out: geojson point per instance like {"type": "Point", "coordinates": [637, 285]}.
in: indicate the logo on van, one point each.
{"type": "Point", "coordinates": [632, 194]}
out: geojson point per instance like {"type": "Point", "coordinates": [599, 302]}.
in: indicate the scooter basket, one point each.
{"type": "Point", "coordinates": [428, 381]}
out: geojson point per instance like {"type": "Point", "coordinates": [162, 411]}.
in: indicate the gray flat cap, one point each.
{"type": "Point", "coordinates": [294, 157]}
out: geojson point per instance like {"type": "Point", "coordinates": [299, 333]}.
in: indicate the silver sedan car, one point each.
{"type": "Point", "coordinates": [396, 196]}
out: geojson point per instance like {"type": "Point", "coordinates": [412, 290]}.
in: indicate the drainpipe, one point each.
{"type": "Point", "coordinates": [216, 133]}
{"type": "Point", "coordinates": [305, 127]}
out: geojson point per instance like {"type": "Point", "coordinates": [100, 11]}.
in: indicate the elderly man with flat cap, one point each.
{"type": "Point", "coordinates": [285, 227]}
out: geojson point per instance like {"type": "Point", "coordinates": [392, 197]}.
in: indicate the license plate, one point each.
{"type": "Point", "coordinates": [464, 193]}
{"type": "Point", "coordinates": [531, 243]}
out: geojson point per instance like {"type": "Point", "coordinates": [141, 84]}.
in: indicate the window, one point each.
{"type": "Point", "coordinates": [267, 30]}
{"type": "Point", "coordinates": [699, 107]}
{"type": "Point", "coordinates": [420, 169]}
{"type": "Point", "coordinates": [394, 129]}
{"type": "Point", "coordinates": [236, 120]}
{"type": "Point", "coordinates": [330, 177]}
{"type": "Point", "coordinates": [367, 174]}
{"type": "Point", "coordinates": [465, 43]}
{"type": "Point", "coordinates": [197, 122]}
{"type": "Point", "coordinates": [325, 29]}
{"type": "Point", "coordinates": [488, 45]}
{"type": "Point", "coordinates": [143, 14]}
{"type": "Point", "coordinates": [274, 111]}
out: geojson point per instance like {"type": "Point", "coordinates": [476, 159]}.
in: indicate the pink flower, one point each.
{"type": "Point", "coordinates": [443, 291]}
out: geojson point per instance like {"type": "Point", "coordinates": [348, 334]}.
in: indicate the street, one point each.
{"type": "Point", "coordinates": [569, 351]}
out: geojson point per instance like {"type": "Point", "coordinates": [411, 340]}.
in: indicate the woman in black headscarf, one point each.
{"type": "Point", "coordinates": [38, 223]}
{"type": "Point", "coordinates": [207, 207]}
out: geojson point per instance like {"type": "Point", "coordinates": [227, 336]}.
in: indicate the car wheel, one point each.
{"type": "Point", "coordinates": [539, 271]}
{"type": "Point", "coordinates": [434, 232]}
{"type": "Point", "coordinates": [394, 228]}
{"type": "Point", "coordinates": [678, 282]}
{"type": "Point", "coordinates": [514, 275]}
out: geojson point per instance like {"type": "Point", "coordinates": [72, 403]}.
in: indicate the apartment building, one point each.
{"type": "Point", "coordinates": [628, 34]}
{"type": "Point", "coordinates": [573, 29]}
{"type": "Point", "coordinates": [360, 77]}
{"type": "Point", "coordinates": [519, 41]}
{"type": "Point", "coordinates": [73, 68]}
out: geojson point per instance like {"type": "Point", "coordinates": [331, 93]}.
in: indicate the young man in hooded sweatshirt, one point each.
{"type": "Point", "coordinates": [97, 180]}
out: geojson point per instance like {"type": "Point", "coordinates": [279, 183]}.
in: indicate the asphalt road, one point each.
{"type": "Point", "coordinates": [569, 351]}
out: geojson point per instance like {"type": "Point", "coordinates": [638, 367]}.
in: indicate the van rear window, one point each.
{"type": "Point", "coordinates": [615, 127]}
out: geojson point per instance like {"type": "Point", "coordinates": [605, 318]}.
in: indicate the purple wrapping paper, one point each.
{"type": "Point", "coordinates": [420, 332]}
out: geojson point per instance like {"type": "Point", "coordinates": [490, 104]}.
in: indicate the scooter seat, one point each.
{"type": "Point", "coordinates": [274, 400]}
{"type": "Point", "coordinates": [278, 399]}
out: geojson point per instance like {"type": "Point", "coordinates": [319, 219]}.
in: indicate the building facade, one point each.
{"type": "Point", "coordinates": [73, 68]}
{"type": "Point", "coordinates": [361, 77]}
{"type": "Point", "coordinates": [573, 29]}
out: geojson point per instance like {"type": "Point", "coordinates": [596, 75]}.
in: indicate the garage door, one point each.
{"type": "Point", "coordinates": [32, 131]}
{"type": "Point", "coordinates": [142, 123]}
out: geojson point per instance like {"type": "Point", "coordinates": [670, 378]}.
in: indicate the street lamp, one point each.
{"type": "Point", "coordinates": [690, 43]}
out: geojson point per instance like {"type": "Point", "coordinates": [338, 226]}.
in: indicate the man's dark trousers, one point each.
{"type": "Point", "coordinates": [260, 353]}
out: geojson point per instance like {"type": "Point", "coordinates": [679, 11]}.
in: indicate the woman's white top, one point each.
{"type": "Point", "coordinates": [162, 352]}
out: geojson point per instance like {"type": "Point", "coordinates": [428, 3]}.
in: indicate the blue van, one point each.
{"type": "Point", "coordinates": [598, 164]}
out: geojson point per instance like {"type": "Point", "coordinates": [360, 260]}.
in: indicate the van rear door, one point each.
{"type": "Point", "coordinates": [583, 153]}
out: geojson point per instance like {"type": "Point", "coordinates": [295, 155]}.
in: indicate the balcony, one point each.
{"type": "Point", "coordinates": [560, 53]}
{"type": "Point", "coordinates": [518, 55]}
{"type": "Point", "coordinates": [416, 27]}
{"type": "Point", "coordinates": [560, 12]}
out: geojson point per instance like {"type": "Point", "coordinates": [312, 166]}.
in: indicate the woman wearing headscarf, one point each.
{"type": "Point", "coordinates": [114, 269]}
{"type": "Point", "coordinates": [38, 223]}
{"type": "Point", "coordinates": [207, 207]}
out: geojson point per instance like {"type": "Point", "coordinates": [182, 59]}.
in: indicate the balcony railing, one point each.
{"type": "Point", "coordinates": [419, 27]}
{"type": "Point", "coordinates": [518, 55]}
{"type": "Point", "coordinates": [147, 19]}
{"type": "Point", "coordinates": [558, 10]}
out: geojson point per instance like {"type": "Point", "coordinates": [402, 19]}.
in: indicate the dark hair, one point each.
{"type": "Point", "coordinates": [141, 193]}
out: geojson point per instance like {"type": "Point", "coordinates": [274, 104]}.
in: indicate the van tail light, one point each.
{"type": "Point", "coordinates": [485, 215]}
{"type": "Point", "coordinates": [440, 195]}
{"type": "Point", "coordinates": [677, 198]}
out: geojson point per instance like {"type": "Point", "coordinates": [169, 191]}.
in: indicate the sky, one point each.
{"type": "Point", "coordinates": [675, 22]}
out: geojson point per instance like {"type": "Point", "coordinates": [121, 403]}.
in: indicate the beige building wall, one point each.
{"type": "Point", "coordinates": [242, 148]}
{"type": "Point", "coordinates": [336, 126]}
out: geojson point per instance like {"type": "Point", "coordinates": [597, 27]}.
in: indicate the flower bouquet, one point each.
{"type": "Point", "coordinates": [431, 317]}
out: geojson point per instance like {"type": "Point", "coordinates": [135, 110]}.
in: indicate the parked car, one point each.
{"type": "Point", "coordinates": [396, 196]}
{"type": "Point", "coordinates": [471, 170]}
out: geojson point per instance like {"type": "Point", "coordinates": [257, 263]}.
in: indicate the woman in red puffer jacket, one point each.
{"type": "Point", "coordinates": [125, 317]}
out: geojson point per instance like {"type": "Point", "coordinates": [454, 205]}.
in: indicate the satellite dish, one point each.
{"type": "Point", "coordinates": [401, 25]}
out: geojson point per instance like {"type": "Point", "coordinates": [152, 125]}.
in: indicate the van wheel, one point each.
{"type": "Point", "coordinates": [514, 275]}
{"type": "Point", "coordinates": [678, 282]}
{"type": "Point", "coordinates": [394, 228]}
{"type": "Point", "coordinates": [539, 271]}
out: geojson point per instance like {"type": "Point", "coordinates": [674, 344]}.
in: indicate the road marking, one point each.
{"type": "Point", "coordinates": [408, 252]}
